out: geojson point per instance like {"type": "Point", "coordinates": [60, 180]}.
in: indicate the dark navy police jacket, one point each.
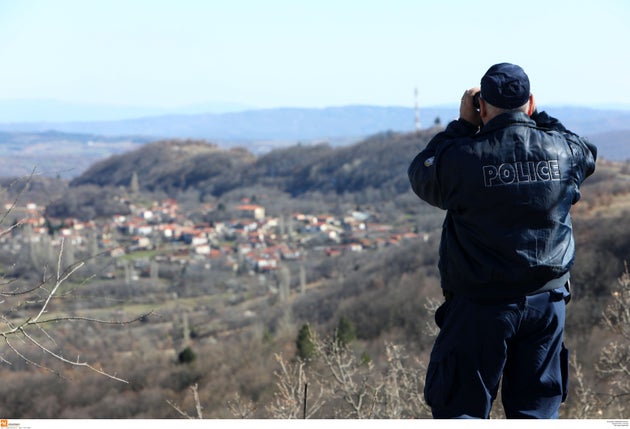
{"type": "Point", "coordinates": [507, 190]}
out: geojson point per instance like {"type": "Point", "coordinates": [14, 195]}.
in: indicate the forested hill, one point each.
{"type": "Point", "coordinates": [379, 162]}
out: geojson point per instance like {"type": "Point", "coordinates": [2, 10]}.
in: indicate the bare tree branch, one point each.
{"type": "Point", "coordinates": [21, 329]}
{"type": "Point", "coordinates": [198, 407]}
{"type": "Point", "coordinates": [69, 362]}
{"type": "Point", "coordinates": [13, 205]}
{"type": "Point", "coordinates": [29, 361]}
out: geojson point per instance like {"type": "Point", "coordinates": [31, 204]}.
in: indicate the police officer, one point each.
{"type": "Point", "coordinates": [507, 176]}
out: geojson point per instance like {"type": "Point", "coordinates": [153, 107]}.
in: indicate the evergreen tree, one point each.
{"type": "Point", "coordinates": [346, 332]}
{"type": "Point", "coordinates": [306, 343]}
{"type": "Point", "coordinates": [187, 356]}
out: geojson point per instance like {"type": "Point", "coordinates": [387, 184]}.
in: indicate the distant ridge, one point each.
{"type": "Point", "coordinates": [47, 110]}
{"type": "Point", "coordinates": [285, 124]}
{"type": "Point", "coordinates": [305, 124]}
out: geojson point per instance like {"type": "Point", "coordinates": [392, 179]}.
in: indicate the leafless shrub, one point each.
{"type": "Point", "coordinates": [610, 397]}
{"type": "Point", "coordinates": [431, 305]}
{"type": "Point", "coordinates": [614, 360]}
{"type": "Point", "coordinates": [350, 380]}
{"type": "Point", "coordinates": [400, 393]}
{"type": "Point", "coordinates": [350, 387]}
{"type": "Point", "coordinates": [240, 408]}
{"type": "Point", "coordinates": [198, 407]}
{"type": "Point", "coordinates": [587, 402]}
{"type": "Point", "coordinates": [291, 399]}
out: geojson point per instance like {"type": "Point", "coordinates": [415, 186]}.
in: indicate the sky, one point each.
{"type": "Point", "coordinates": [293, 53]}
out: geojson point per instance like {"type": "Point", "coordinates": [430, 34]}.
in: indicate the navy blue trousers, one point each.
{"type": "Point", "coordinates": [517, 344]}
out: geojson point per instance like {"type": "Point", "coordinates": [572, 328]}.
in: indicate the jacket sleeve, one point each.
{"type": "Point", "coordinates": [543, 120]}
{"type": "Point", "coordinates": [424, 171]}
{"type": "Point", "coordinates": [584, 152]}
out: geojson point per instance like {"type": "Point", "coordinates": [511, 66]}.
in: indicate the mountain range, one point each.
{"type": "Point", "coordinates": [70, 147]}
{"type": "Point", "coordinates": [294, 124]}
{"type": "Point", "coordinates": [279, 124]}
{"type": "Point", "coordinates": [50, 110]}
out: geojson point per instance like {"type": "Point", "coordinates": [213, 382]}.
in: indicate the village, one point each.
{"type": "Point", "coordinates": [251, 242]}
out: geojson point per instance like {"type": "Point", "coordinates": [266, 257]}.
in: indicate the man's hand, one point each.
{"type": "Point", "coordinates": [467, 110]}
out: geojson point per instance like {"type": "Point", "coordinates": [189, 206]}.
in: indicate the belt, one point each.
{"type": "Point", "coordinates": [562, 281]}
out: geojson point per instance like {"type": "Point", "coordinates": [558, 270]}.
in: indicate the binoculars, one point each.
{"type": "Point", "coordinates": [476, 99]}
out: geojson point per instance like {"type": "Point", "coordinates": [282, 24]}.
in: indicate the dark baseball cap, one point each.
{"type": "Point", "coordinates": [505, 86]}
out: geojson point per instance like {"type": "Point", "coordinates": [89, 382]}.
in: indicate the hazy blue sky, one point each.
{"type": "Point", "coordinates": [309, 53]}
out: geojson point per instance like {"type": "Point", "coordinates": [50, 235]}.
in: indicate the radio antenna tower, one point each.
{"type": "Point", "coordinates": [416, 110]}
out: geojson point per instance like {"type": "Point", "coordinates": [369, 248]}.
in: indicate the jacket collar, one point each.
{"type": "Point", "coordinates": [505, 119]}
